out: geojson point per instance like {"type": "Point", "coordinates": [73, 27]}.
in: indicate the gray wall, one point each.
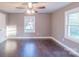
{"type": "Point", "coordinates": [42, 25]}
{"type": "Point", "coordinates": [58, 19]}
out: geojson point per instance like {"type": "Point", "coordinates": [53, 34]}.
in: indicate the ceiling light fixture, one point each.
{"type": "Point", "coordinates": [33, 11]}
{"type": "Point", "coordinates": [30, 10]}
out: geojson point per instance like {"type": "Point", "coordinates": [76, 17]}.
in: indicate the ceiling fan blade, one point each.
{"type": "Point", "coordinates": [20, 7]}
{"type": "Point", "coordinates": [40, 7]}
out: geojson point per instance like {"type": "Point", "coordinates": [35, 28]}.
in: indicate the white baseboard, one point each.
{"type": "Point", "coordinates": [28, 37]}
{"type": "Point", "coordinates": [66, 47]}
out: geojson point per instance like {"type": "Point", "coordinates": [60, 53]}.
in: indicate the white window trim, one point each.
{"type": "Point", "coordinates": [65, 32]}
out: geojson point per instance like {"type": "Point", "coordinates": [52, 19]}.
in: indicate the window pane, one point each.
{"type": "Point", "coordinates": [73, 18]}
{"type": "Point", "coordinates": [74, 30]}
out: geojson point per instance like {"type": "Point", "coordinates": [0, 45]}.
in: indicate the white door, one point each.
{"type": "Point", "coordinates": [2, 27]}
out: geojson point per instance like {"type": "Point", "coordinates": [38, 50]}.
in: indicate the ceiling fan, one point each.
{"type": "Point", "coordinates": [31, 7]}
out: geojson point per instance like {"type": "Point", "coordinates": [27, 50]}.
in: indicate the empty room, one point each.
{"type": "Point", "coordinates": [39, 29]}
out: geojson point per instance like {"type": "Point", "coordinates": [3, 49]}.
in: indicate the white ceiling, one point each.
{"type": "Point", "coordinates": [9, 7]}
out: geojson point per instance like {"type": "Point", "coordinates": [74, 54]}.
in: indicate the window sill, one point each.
{"type": "Point", "coordinates": [76, 40]}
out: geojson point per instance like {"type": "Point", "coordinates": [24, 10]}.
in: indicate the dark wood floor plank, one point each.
{"type": "Point", "coordinates": [32, 48]}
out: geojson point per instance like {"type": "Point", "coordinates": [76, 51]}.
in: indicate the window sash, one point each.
{"type": "Point", "coordinates": [69, 32]}
{"type": "Point", "coordinates": [30, 22]}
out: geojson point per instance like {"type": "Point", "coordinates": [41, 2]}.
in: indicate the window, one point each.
{"type": "Point", "coordinates": [72, 24]}
{"type": "Point", "coordinates": [11, 30]}
{"type": "Point", "coordinates": [29, 24]}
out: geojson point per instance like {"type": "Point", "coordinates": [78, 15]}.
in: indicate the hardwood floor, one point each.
{"type": "Point", "coordinates": [32, 48]}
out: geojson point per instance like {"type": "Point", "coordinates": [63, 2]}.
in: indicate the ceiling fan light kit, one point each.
{"type": "Point", "coordinates": [30, 10]}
